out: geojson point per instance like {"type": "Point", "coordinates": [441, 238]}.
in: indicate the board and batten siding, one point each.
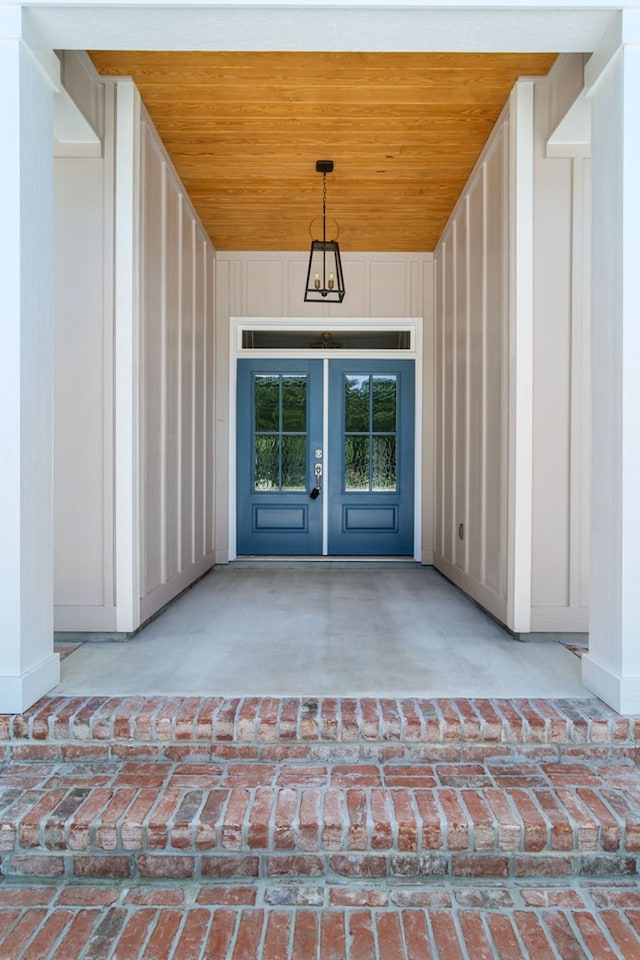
{"type": "Point", "coordinates": [176, 383]}
{"type": "Point", "coordinates": [83, 431]}
{"type": "Point", "coordinates": [134, 379]}
{"type": "Point", "coordinates": [560, 566]}
{"type": "Point", "coordinates": [271, 284]}
{"type": "Point", "coordinates": [512, 378]}
{"type": "Point", "coordinates": [471, 358]}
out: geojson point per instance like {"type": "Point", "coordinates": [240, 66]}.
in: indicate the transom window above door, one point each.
{"type": "Point", "coordinates": [257, 339]}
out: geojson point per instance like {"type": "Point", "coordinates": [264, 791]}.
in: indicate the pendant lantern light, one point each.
{"type": "Point", "coordinates": [325, 281]}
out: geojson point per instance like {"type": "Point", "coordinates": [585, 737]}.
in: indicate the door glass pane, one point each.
{"type": "Point", "coordinates": [383, 473]}
{"type": "Point", "coordinates": [356, 403]}
{"type": "Point", "coordinates": [280, 417]}
{"type": "Point", "coordinates": [266, 463]}
{"type": "Point", "coordinates": [384, 390]}
{"type": "Point", "coordinates": [267, 401]}
{"type": "Point", "coordinates": [294, 463]}
{"type": "Point", "coordinates": [294, 404]}
{"type": "Point", "coordinates": [356, 462]}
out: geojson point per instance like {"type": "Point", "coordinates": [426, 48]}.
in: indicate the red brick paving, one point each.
{"type": "Point", "coordinates": [298, 829]}
{"type": "Point", "coordinates": [206, 787]}
{"type": "Point", "coordinates": [271, 921]}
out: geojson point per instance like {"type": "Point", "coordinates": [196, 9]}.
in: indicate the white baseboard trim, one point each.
{"type": "Point", "coordinates": [84, 619]}
{"type": "Point", "coordinates": [159, 597]}
{"type": "Point", "coordinates": [559, 619]}
{"type": "Point", "coordinates": [495, 605]}
{"type": "Point", "coordinates": [20, 692]}
{"type": "Point", "coordinates": [621, 693]}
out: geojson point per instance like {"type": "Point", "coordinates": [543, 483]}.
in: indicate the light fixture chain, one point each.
{"type": "Point", "coordinates": [324, 207]}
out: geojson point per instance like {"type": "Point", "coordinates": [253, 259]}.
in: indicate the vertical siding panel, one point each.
{"type": "Point", "coordinates": [226, 287]}
{"type": "Point", "coordinates": [425, 284]}
{"type": "Point", "coordinates": [83, 462]}
{"type": "Point", "coordinates": [387, 286]}
{"type": "Point", "coordinates": [495, 455]}
{"type": "Point", "coordinates": [173, 245]}
{"type": "Point", "coordinates": [199, 357]}
{"type": "Point", "coordinates": [461, 367]}
{"type": "Point", "coordinates": [449, 397]}
{"type": "Point", "coordinates": [476, 380]}
{"type": "Point", "coordinates": [580, 543]}
{"type": "Point", "coordinates": [263, 288]}
{"type": "Point", "coordinates": [210, 427]}
{"type": "Point", "coordinates": [151, 380]}
{"type": "Point", "coordinates": [164, 506]}
{"type": "Point", "coordinates": [439, 404]}
{"type": "Point", "coordinates": [186, 392]}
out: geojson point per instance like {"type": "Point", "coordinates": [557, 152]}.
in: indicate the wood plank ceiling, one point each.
{"type": "Point", "coordinates": [244, 131]}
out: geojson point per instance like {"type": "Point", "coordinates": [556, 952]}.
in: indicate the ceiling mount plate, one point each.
{"type": "Point", "coordinates": [324, 166]}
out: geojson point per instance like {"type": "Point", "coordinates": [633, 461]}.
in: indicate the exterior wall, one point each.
{"type": "Point", "coordinates": [83, 433]}
{"type": "Point", "coordinates": [561, 450]}
{"type": "Point", "coordinates": [83, 373]}
{"type": "Point", "coordinates": [512, 375]}
{"type": "Point", "coordinates": [177, 428]}
{"type": "Point", "coordinates": [134, 430]}
{"type": "Point", "coordinates": [471, 358]}
{"type": "Point", "coordinates": [272, 285]}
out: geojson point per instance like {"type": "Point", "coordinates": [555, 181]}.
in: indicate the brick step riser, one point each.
{"type": "Point", "coordinates": [76, 751]}
{"type": "Point", "coordinates": [394, 868]}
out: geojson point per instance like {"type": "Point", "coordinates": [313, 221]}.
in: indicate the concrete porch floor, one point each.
{"type": "Point", "coordinates": [323, 630]}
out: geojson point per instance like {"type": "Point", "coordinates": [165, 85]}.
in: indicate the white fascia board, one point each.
{"type": "Point", "coordinates": [337, 26]}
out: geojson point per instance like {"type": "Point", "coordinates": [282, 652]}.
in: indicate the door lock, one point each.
{"type": "Point", "coordinates": [315, 493]}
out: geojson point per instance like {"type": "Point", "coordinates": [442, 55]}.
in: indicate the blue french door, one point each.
{"type": "Point", "coordinates": [279, 427]}
{"type": "Point", "coordinates": [371, 463]}
{"type": "Point", "coordinates": [289, 487]}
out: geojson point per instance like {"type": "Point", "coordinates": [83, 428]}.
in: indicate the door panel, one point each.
{"type": "Point", "coordinates": [367, 494]}
{"type": "Point", "coordinates": [370, 479]}
{"type": "Point", "coordinates": [279, 424]}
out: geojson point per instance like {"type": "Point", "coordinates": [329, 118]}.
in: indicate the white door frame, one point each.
{"type": "Point", "coordinates": [412, 325]}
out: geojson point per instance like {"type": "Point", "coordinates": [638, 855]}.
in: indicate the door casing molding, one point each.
{"type": "Point", "coordinates": [413, 325]}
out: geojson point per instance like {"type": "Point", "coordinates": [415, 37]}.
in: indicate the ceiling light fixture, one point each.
{"type": "Point", "coordinates": [325, 281]}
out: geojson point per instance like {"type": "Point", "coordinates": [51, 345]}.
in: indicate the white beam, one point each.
{"type": "Point", "coordinates": [356, 25]}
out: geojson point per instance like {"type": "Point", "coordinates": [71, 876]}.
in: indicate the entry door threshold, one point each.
{"type": "Point", "coordinates": [256, 562]}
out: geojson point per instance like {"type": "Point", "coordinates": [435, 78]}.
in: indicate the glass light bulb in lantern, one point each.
{"type": "Point", "coordinates": [316, 281]}
{"type": "Point", "coordinates": [330, 282]}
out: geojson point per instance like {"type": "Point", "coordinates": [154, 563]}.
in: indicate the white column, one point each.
{"type": "Point", "coordinates": [28, 665]}
{"type": "Point", "coordinates": [612, 667]}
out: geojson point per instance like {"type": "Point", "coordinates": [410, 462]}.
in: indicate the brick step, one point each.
{"type": "Point", "coordinates": [159, 728]}
{"type": "Point", "coordinates": [267, 819]}
{"type": "Point", "coordinates": [275, 921]}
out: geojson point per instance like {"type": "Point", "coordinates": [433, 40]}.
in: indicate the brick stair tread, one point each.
{"type": "Point", "coordinates": [262, 724]}
{"type": "Point", "coordinates": [318, 817]}
{"type": "Point", "coordinates": [191, 787]}
{"type": "Point", "coordinates": [276, 921]}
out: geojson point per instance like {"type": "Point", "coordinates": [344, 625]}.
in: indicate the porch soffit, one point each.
{"type": "Point", "coordinates": [403, 118]}
{"type": "Point", "coordinates": [244, 131]}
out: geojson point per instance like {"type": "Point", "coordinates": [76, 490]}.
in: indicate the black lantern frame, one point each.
{"type": "Point", "coordinates": [325, 279]}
